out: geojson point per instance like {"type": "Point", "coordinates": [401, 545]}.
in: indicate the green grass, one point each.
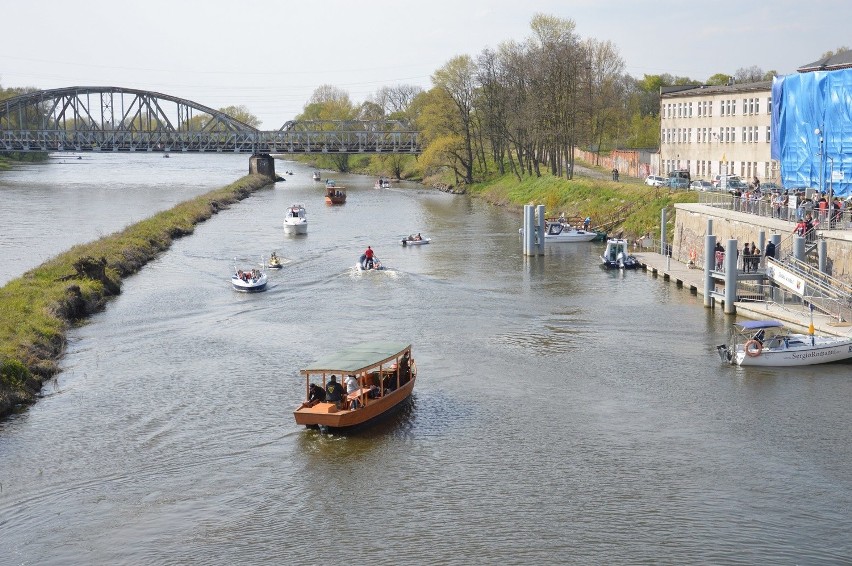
{"type": "Point", "coordinates": [37, 308]}
{"type": "Point", "coordinates": [583, 197]}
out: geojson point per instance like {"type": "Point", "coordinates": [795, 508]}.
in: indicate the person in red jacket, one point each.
{"type": "Point", "coordinates": [368, 258]}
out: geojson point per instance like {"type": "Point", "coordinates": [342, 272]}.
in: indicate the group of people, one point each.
{"type": "Point", "coordinates": [415, 238]}
{"type": "Point", "coordinates": [751, 256]}
{"type": "Point", "coordinates": [337, 393]}
{"type": "Point", "coordinates": [248, 276]}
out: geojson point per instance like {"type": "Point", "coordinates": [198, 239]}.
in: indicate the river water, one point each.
{"type": "Point", "coordinates": [563, 414]}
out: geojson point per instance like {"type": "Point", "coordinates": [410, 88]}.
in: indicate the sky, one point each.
{"type": "Point", "coordinates": [270, 56]}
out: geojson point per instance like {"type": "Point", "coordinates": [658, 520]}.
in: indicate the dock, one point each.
{"type": "Point", "coordinates": [692, 278]}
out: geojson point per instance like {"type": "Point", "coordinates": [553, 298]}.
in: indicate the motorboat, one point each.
{"type": "Point", "coordinates": [249, 280]}
{"type": "Point", "coordinates": [296, 220]}
{"type": "Point", "coordinates": [616, 255]}
{"type": "Point", "coordinates": [559, 232]}
{"type": "Point", "coordinates": [317, 176]}
{"type": "Point", "coordinates": [364, 265]}
{"type": "Point", "coordinates": [768, 343]}
{"type": "Point", "coordinates": [381, 377]}
{"type": "Point", "coordinates": [274, 262]}
{"type": "Point", "coordinates": [382, 183]}
{"type": "Point", "coordinates": [333, 193]}
{"type": "Point", "coordinates": [415, 240]}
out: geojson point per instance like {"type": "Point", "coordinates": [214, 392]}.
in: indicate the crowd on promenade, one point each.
{"type": "Point", "coordinates": [788, 205]}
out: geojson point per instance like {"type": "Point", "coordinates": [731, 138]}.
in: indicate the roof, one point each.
{"type": "Point", "coordinates": [358, 358]}
{"type": "Point", "coordinates": [842, 60]}
{"type": "Point", "coordinates": [757, 324]}
{"type": "Point", "coordinates": [702, 90]}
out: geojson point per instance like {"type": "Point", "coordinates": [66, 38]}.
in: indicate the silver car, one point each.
{"type": "Point", "coordinates": [701, 185]}
{"type": "Point", "coordinates": [656, 181]}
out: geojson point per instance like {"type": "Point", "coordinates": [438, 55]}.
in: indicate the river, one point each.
{"type": "Point", "coordinates": [563, 413]}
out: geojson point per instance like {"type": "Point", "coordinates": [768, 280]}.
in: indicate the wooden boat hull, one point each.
{"type": "Point", "coordinates": [335, 200]}
{"type": "Point", "coordinates": [327, 415]}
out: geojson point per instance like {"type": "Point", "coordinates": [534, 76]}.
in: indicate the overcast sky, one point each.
{"type": "Point", "coordinates": [271, 55]}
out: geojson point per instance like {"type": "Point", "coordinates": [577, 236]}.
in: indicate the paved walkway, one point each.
{"type": "Point", "coordinates": [693, 279]}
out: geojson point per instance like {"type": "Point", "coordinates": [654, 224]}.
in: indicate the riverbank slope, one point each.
{"type": "Point", "coordinates": [37, 308]}
{"type": "Point", "coordinates": [632, 207]}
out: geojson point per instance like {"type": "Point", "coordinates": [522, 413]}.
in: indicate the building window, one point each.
{"type": "Point", "coordinates": [744, 133]}
{"type": "Point", "coordinates": [768, 134]}
{"type": "Point", "coordinates": [757, 106]}
{"type": "Point", "coordinates": [745, 106]}
{"type": "Point", "coordinates": [769, 105]}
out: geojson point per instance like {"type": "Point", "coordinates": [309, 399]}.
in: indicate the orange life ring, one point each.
{"type": "Point", "coordinates": [753, 352]}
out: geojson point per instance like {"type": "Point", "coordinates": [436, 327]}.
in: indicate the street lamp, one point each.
{"type": "Point", "coordinates": [821, 166]}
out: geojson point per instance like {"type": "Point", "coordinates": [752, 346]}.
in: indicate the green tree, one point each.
{"type": "Point", "coordinates": [242, 114]}
{"type": "Point", "coordinates": [457, 78]}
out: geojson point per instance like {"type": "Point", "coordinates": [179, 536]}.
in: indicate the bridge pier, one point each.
{"type": "Point", "coordinates": [262, 164]}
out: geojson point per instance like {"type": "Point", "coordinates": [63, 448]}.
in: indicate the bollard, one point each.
{"type": "Point", "coordinates": [731, 276]}
{"type": "Point", "coordinates": [799, 248]}
{"type": "Point", "coordinates": [709, 261]}
{"type": "Point", "coordinates": [822, 251]}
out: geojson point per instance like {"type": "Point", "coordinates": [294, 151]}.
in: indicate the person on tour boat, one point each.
{"type": "Point", "coordinates": [316, 395]}
{"type": "Point", "coordinates": [352, 386]}
{"type": "Point", "coordinates": [334, 391]}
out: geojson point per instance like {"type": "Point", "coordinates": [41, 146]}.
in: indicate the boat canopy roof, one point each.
{"type": "Point", "coordinates": [358, 358]}
{"type": "Point", "coordinates": [758, 324]}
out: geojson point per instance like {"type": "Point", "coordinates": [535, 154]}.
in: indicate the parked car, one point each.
{"type": "Point", "coordinates": [717, 180]}
{"type": "Point", "coordinates": [770, 187]}
{"type": "Point", "coordinates": [736, 186]}
{"type": "Point", "coordinates": [677, 183]}
{"type": "Point", "coordinates": [655, 181]}
{"type": "Point", "coordinates": [701, 185]}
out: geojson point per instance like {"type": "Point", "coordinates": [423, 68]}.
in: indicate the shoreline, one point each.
{"type": "Point", "coordinates": [41, 305]}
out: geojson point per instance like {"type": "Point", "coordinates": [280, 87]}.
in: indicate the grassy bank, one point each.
{"type": "Point", "coordinates": [636, 206]}
{"type": "Point", "coordinates": [37, 308]}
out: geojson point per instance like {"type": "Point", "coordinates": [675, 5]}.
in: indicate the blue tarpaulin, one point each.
{"type": "Point", "coordinates": [801, 105]}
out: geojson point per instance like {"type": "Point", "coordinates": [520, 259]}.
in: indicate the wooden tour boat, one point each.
{"type": "Point", "coordinates": [334, 194]}
{"type": "Point", "coordinates": [385, 372]}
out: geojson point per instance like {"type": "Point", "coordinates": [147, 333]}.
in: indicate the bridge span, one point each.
{"type": "Point", "coordinates": [115, 119]}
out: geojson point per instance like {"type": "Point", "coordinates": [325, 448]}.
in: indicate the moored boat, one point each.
{"type": "Point", "coordinates": [768, 343]}
{"type": "Point", "coordinates": [381, 374]}
{"type": "Point", "coordinates": [559, 233]}
{"type": "Point", "coordinates": [296, 220]}
{"type": "Point", "coordinates": [249, 280]}
{"type": "Point", "coordinates": [617, 255]}
{"type": "Point", "coordinates": [382, 183]}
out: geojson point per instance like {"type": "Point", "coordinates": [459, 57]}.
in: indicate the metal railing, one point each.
{"type": "Point", "coordinates": [842, 220]}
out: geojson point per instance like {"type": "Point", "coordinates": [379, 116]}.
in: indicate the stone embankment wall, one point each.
{"type": "Point", "coordinates": [691, 227]}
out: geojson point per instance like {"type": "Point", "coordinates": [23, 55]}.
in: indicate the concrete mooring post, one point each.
{"type": "Point", "coordinates": [709, 265]}
{"type": "Point", "coordinates": [532, 234]}
{"type": "Point", "coordinates": [822, 251]}
{"type": "Point", "coordinates": [799, 248]}
{"type": "Point", "coordinates": [731, 277]}
{"type": "Point", "coordinates": [539, 231]}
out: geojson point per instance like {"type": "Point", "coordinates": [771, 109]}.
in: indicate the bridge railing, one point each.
{"type": "Point", "coordinates": [238, 142]}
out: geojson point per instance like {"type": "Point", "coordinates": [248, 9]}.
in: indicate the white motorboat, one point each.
{"type": "Point", "coordinates": [558, 233]}
{"type": "Point", "coordinates": [249, 280]}
{"type": "Point", "coordinates": [317, 176]}
{"type": "Point", "coordinates": [617, 255]}
{"type": "Point", "coordinates": [296, 220]}
{"type": "Point", "coordinates": [767, 343]}
{"type": "Point", "coordinates": [415, 240]}
{"type": "Point", "coordinates": [382, 184]}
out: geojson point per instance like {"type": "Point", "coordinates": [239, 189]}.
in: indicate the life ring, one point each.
{"type": "Point", "coordinates": [753, 352]}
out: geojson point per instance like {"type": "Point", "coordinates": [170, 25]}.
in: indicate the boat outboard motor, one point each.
{"type": "Point", "coordinates": [724, 353]}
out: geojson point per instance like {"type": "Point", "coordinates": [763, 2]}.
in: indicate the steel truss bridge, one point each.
{"type": "Point", "coordinates": [114, 119]}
